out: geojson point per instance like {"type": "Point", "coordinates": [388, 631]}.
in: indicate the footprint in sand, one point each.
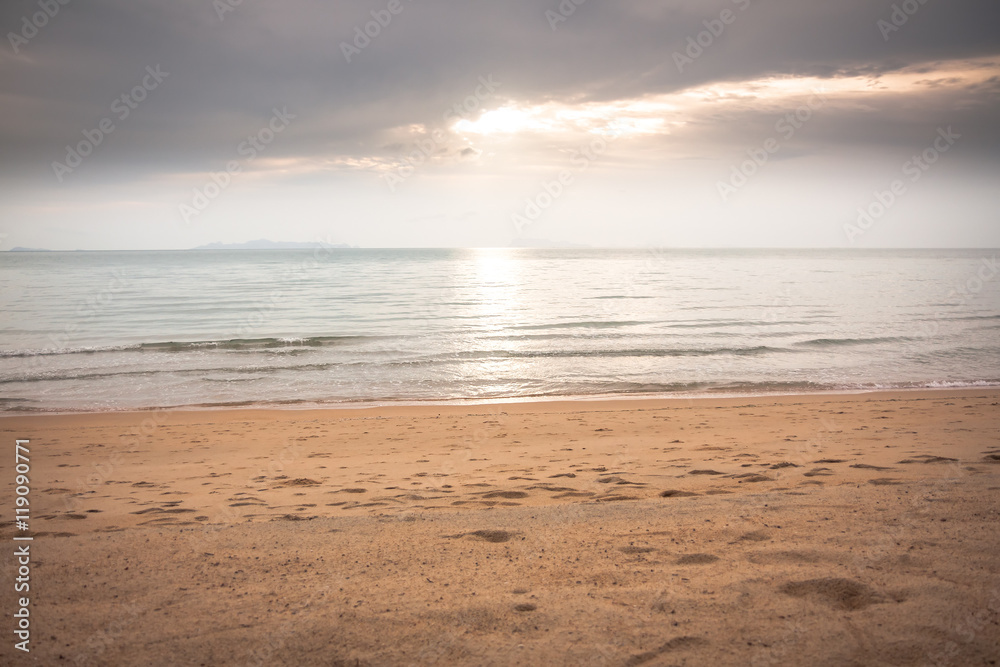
{"type": "Point", "coordinates": [754, 536]}
{"type": "Point", "coordinates": [675, 644]}
{"type": "Point", "coordinates": [784, 557]}
{"type": "Point", "coordinates": [615, 498]}
{"type": "Point", "coordinates": [675, 493]}
{"type": "Point", "coordinates": [302, 481]}
{"type": "Point", "coordinates": [704, 472]}
{"type": "Point", "coordinates": [696, 559]}
{"type": "Point", "coordinates": [752, 478]}
{"type": "Point", "coordinates": [487, 535]}
{"type": "Point", "coordinates": [550, 488]}
{"type": "Point", "coordinates": [505, 494]}
{"type": "Point", "coordinates": [636, 550]}
{"type": "Point", "coordinates": [614, 479]}
{"type": "Point", "coordinates": [843, 594]}
{"type": "Point", "coordinates": [926, 458]}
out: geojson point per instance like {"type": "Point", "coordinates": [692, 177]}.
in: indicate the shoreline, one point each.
{"type": "Point", "coordinates": [461, 403]}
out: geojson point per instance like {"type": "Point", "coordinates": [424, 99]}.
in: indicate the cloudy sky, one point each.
{"type": "Point", "coordinates": [760, 123]}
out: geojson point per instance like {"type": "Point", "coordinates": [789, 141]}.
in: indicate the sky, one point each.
{"type": "Point", "coordinates": [133, 124]}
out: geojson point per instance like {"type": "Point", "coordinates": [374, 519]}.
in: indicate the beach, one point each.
{"type": "Point", "coordinates": [345, 334]}
{"type": "Point", "coordinates": [822, 529]}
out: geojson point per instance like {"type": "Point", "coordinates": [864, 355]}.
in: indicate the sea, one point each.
{"type": "Point", "coordinates": [104, 331]}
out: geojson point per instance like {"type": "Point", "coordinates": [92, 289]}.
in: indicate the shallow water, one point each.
{"type": "Point", "coordinates": [119, 330]}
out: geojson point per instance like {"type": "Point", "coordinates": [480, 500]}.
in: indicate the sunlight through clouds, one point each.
{"type": "Point", "coordinates": [663, 114]}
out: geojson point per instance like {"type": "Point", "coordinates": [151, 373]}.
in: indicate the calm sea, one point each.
{"type": "Point", "coordinates": [120, 330]}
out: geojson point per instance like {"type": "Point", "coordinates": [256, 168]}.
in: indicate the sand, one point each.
{"type": "Point", "coordinates": [800, 530]}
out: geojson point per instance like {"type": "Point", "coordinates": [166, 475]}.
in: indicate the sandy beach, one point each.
{"type": "Point", "coordinates": [816, 529]}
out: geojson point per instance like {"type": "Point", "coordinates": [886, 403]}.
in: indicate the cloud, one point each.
{"type": "Point", "coordinates": [608, 67]}
{"type": "Point", "coordinates": [228, 73]}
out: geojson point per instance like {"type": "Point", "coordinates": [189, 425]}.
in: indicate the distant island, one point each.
{"type": "Point", "coordinates": [23, 249]}
{"type": "Point", "coordinates": [264, 244]}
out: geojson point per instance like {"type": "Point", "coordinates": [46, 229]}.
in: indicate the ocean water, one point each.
{"type": "Point", "coordinates": [125, 330]}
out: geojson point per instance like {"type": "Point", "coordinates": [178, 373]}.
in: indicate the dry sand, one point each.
{"type": "Point", "coordinates": [803, 530]}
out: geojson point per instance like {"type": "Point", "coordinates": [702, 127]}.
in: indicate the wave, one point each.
{"type": "Point", "coordinates": [711, 324]}
{"type": "Point", "coordinates": [976, 317]}
{"type": "Point", "coordinates": [443, 359]}
{"type": "Point", "coordinates": [836, 342]}
{"type": "Point", "coordinates": [187, 346]}
{"type": "Point", "coordinates": [581, 324]}
{"type": "Point", "coordinates": [627, 352]}
{"type": "Point", "coordinates": [621, 296]}
{"type": "Point", "coordinates": [197, 373]}
{"type": "Point", "coordinates": [10, 354]}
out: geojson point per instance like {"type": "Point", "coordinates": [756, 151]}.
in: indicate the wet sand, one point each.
{"type": "Point", "coordinates": [820, 529]}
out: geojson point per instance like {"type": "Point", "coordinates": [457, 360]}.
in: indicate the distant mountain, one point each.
{"type": "Point", "coordinates": [264, 244]}
{"type": "Point", "coordinates": [22, 249]}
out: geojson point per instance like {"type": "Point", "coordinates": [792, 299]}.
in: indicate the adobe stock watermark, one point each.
{"type": "Point", "coordinates": [714, 28]}
{"type": "Point", "coordinates": [91, 308]}
{"type": "Point", "coordinates": [102, 640]}
{"type": "Point", "coordinates": [128, 443]}
{"type": "Point", "coordinates": [898, 17]}
{"type": "Point", "coordinates": [562, 13]}
{"type": "Point", "coordinates": [967, 629]}
{"type": "Point", "coordinates": [31, 25]}
{"type": "Point", "coordinates": [248, 150]}
{"type": "Point", "coordinates": [786, 127]}
{"type": "Point", "coordinates": [913, 170]}
{"type": "Point", "coordinates": [223, 7]}
{"type": "Point", "coordinates": [363, 36]}
{"type": "Point", "coordinates": [428, 146]}
{"type": "Point", "coordinates": [550, 191]}
{"type": "Point", "coordinates": [965, 292]}
{"type": "Point", "coordinates": [262, 310]}
{"type": "Point", "coordinates": [122, 108]}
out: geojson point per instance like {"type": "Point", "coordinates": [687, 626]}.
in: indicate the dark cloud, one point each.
{"type": "Point", "coordinates": [227, 74]}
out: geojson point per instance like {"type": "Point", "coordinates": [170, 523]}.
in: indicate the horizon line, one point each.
{"type": "Point", "coordinates": [23, 250]}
